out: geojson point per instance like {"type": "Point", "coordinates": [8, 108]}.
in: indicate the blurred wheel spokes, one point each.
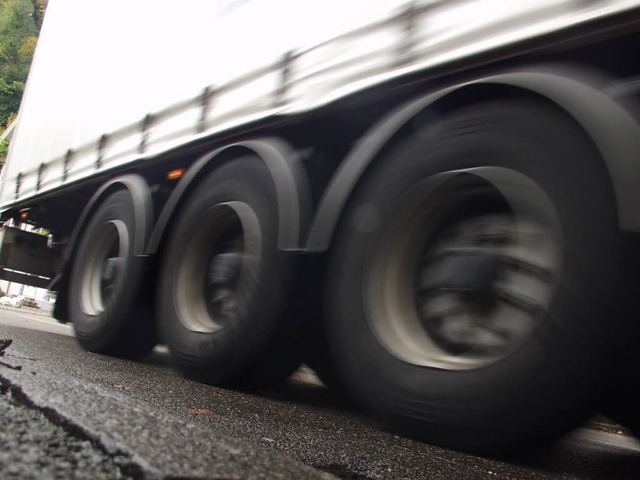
{"type": "Point", "coordinates": [484, 273]}
{"type": "Point", "coordinates": [206, 293]}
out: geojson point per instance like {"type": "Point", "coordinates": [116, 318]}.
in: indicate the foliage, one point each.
{"type": "Point", "coordinates": [39, 7]}
{"type": "Point", "coordinates": [4, 147]}
{"type": "Point", "coordinates": [4, 144]}
{"type": "Point", "coordinates": [17, 28]}
{"type": "Point", "coordinates": [10, 96]}
{"type": "Point", "coordinates": [12, 117]}
{"type": "Point", "coordinates": [20, 22]}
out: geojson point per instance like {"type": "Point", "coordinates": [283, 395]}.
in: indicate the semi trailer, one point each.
{"type": "Point", "coordinates": [434, 204]}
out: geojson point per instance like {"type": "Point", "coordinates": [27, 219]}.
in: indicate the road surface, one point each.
{"type": "Point", "coordinates": [159, 425]}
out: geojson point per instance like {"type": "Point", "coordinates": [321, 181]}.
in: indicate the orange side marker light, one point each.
{"type": "Point", "coordinates": [175, 174]}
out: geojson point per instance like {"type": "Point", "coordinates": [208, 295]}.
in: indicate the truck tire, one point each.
{"type": "Point", "coordinates": [109, 308]}
{"type": "Point", "coordinates": [224, 284]}
{"type": "Point", "coordinates": [471, 279]}
{"type": "Point", "coordinates": [623, 394]}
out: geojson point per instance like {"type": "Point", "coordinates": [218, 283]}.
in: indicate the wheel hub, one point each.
{"type": "Point", "coordinates": [222, 278]}
{"type": "Point", "coordinates": [224, 269]}
{"type": "Point", "coordinates": [103, 269]}
{"type": "Point", "coordinates": [469, 271]}
{"type": "Point", "coordinates": [466, 275]}
{"type": "Point", "coordinates": [217, 267]}
{"type": "Point", "coordinates": [110, 269]}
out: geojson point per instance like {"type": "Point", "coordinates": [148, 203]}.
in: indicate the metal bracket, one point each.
{"type": "Point", "coordinates": [65, 166]}
{"type": "Point", "coordinates": [18, 182]}
{"type": "Point", "coordinates": [285, 75]}
{"type": "Point", "coordinates": [408, 24]}
{"type": "Point", "coordinates": [205, 99]}
{"type": "Point", "coordinates": [39, 179]}
{"type": "Point", "coordinates": [146, 123]}
{"type": "Point", "coordinates": [101, 144]}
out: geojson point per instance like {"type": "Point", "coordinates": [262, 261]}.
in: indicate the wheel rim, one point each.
{"type": "Point", "coordinates": [104, 269]}
{"type": "Point", "coordinates": [466, 272]}
{"type": "Point", "coordinates": [218, 268]}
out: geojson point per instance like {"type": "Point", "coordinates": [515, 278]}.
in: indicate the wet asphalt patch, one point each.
{"type": "Point", "coordinates": [34, 446]}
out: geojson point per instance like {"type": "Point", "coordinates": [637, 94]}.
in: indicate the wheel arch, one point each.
{"type": "Point", "coordinates": [612, 129]}
{"type": "Point", "coordinates": [143, 209]}
{"type": "Point", "coordinates": [286, 172]}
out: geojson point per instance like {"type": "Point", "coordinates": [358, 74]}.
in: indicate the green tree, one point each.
{"type": "Point", "coordinates": [17, 30]}
{"type": "Point", "coordinates": [10, 96]}
{"type": "Point", "coordinates": [4, 149]}
{"type": "Point", "coordinates": [39, 7]}
{"type": "Point", "coordinates": [19, 26]}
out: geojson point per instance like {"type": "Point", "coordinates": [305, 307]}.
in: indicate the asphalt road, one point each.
{"type": "Point", "coordinates": [154, 424]}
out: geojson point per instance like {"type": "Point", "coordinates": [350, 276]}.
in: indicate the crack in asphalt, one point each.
{"type": "Point", "coordinates": [37, 443]}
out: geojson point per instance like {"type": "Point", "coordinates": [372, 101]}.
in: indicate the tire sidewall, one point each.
{"type": "Point", "coordinates": [215, 357]}
{"type": "Point", "coordinates": [99, 332]}
{"type": "Point", "coordinates": [555, 369]}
